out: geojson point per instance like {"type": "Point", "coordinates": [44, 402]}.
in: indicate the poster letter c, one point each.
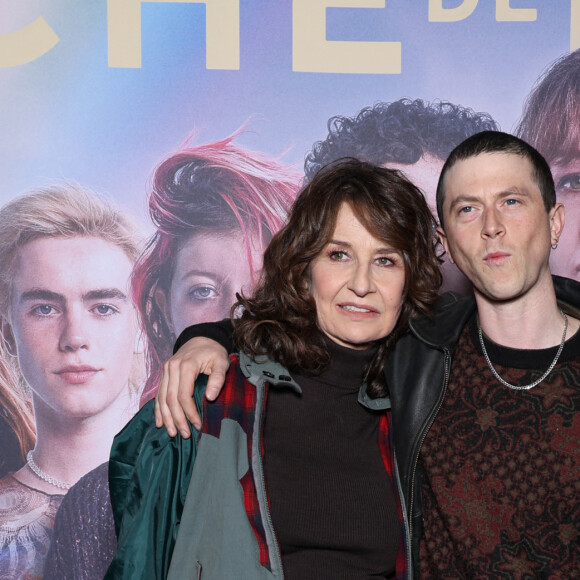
{"type": "Point", "coordinates": [26, 44]}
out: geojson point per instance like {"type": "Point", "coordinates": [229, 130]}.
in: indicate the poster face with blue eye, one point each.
{"type": "Point", "coordinates": [150, 150]}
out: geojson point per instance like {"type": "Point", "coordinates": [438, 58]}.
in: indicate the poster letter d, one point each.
{"type": "Point", "coordinates": [439, 14]}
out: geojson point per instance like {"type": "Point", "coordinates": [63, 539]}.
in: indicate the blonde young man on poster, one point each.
{"type": "Point", "coordinates": [485, 394]}
{"type": "Point", "coordinates": [70, 328]}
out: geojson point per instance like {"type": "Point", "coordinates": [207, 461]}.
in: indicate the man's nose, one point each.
{"type": "Point", "coordinates": [73, 336]}
{"type": "Point", "coordinates": [492, 225]}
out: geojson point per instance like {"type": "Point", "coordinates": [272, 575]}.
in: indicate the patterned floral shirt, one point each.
{"type": "Point", "coordinates": [26, 520]}
{"type": "Point", "coordinates": [501, 486]}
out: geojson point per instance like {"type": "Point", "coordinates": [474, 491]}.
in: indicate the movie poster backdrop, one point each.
{"type": "Point", "coordinates": [150, 149]}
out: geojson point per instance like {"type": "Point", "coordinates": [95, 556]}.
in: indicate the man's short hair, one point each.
{"type": "Point", "coordinates": [403, 131]}
{"type": "Point", "coordinates": [499, 142]}
{"type": "Point", "coordinates": [58, 211]}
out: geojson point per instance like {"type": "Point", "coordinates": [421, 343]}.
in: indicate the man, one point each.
{"type": "Point", "coordinates": [69, 328]}
{"type": "Point", "coordinates": [485, 394]}
{"type": "Point", "coordinates": [412, 136]}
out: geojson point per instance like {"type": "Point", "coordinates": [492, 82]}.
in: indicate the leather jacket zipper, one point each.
{"type": "Point", "coordinates": [406, 526]}
{"type": "Point", "coordinates": [426, 430]}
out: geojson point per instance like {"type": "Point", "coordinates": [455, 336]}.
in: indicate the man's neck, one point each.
{"type": "Point", "coordinates": [532, 321]}
{"type": "Point", "coordinates": [68, 447]}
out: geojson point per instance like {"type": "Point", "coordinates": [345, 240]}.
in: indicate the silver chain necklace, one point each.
{"type": "Point", "coordinates": [44, 476]}
{"type": "Point", "coordinates": [531, 385]}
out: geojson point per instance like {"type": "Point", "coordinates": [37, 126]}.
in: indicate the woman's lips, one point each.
{"type": "Point", "coordinates": [77, 374]}
{"type": "Point", "coordinates": [357, 310]}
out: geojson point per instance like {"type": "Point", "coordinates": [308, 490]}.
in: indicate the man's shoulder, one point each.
{"type": "Point", "coordinates": [443, 325]}
{"type": "Point", "coordinates": [568, 295]}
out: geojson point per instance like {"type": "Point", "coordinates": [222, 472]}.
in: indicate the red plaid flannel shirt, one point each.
{"type": "Point", "coordinates": [237, 401]}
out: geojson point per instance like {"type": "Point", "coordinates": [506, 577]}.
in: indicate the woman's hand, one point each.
{"type": "Point", "coordinates": [174, 399]}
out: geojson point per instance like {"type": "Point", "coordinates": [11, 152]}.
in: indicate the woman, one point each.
{"type": "Point", "coordinates": [551, 123]}
{"type": "Point", "coordinates": [359, 260]}
{"type": "Point", "coordinates": [215, 207]}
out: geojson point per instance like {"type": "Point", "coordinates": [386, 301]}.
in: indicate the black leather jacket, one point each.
{"type": "Point", "coordinates": [417, 373]}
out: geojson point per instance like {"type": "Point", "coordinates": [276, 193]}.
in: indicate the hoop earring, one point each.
{"type": "Point", "coordinates": [554, 246]}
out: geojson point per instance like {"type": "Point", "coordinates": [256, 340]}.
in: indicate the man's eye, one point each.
{"type": "Point", "coordinates": [511, 201]}
{"type": "Point", "coordinates": [105, 309]}
{"type": "Point", "coordinates": [43, 309]}
{"type": "Point", "coordinates": [466, 209]}
{"type": "Point", "coordinates": [570, 182]}
{"type": "Point", "coordinates": [203, 293]}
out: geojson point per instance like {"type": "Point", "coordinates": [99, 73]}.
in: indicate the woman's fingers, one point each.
{"type": "Point", "coordinates": [174, 403]}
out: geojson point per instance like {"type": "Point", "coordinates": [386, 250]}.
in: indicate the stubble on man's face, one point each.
{"type": "Point", "coordinates": [497, 229]}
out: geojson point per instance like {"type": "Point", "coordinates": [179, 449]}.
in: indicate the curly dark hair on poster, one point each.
{"type": "Point", "coordinates": [399, 132]}
{"type": "Point", "coordinates": [280, 318]}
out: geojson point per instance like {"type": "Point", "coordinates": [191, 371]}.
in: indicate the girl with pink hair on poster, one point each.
{"type": "Point", "coordinates": [215, 208]}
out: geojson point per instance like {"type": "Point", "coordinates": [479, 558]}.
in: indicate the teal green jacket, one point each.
{"type": "Point", "coordinates": [177, 522]}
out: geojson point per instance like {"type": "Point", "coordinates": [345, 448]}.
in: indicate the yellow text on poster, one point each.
{"type": "Point", "coordinates": [222, 25]}
{"type": "Point", "coordinates": [503, 12]}
{"type": "Point", "coordinates": [27, 43]}
{"type": "Point", "coordinates": [311, 51]}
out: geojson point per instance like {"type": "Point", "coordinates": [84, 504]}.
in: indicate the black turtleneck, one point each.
{"type": "Point", "coordinates": [331, 499]}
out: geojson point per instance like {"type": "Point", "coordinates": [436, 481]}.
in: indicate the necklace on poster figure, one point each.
{"type": "Point", "coordinates": [44, 476]}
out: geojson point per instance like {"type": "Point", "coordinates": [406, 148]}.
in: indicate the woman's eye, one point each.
{"type": "Point", "coordinates": [338, 255]}
{"type": "Point", "coordinates": [570, 182]}
{"type": "Point", "coordinates": [384, 261]}
{"type": "Point", "coordinates": [203, 292]}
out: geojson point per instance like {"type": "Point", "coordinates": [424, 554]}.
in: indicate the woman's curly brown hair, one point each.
{"type": "Point", "coordinates": [280, 318]}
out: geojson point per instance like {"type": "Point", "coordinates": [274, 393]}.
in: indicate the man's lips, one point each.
{"type": "Point", "coordinates": [77, 374]}
{"type": "Point", "coordinates": [496, 258]}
